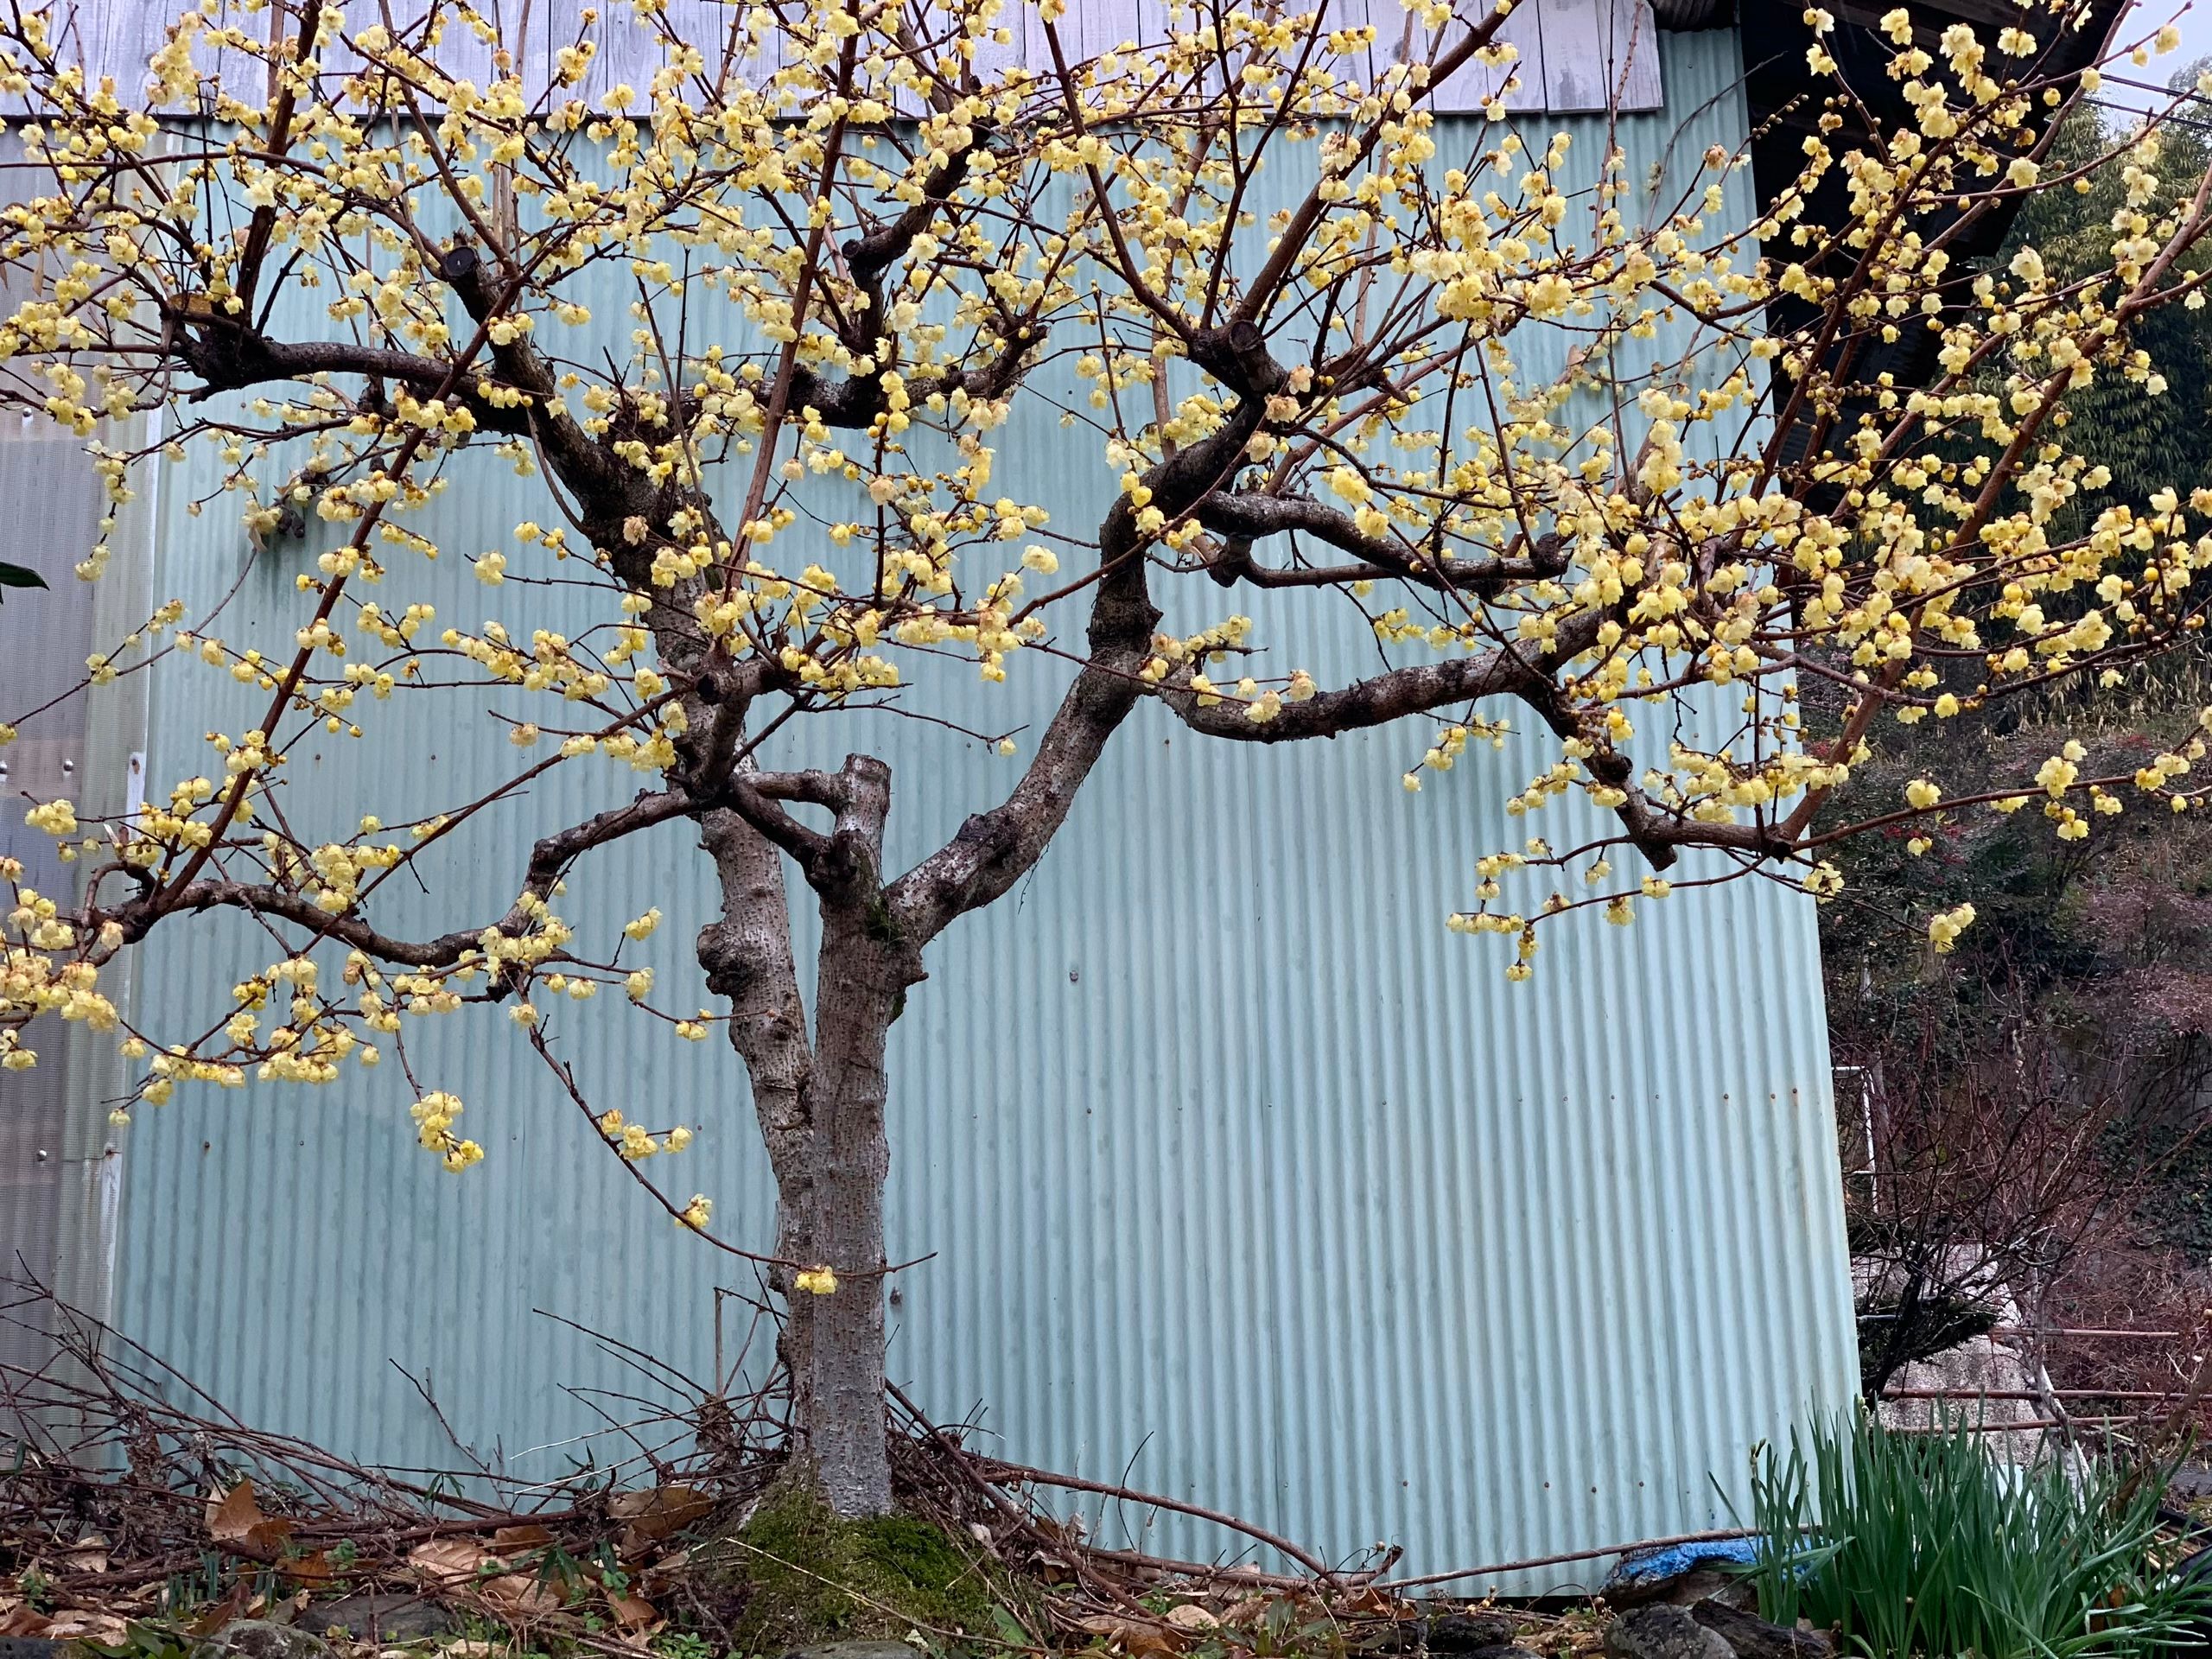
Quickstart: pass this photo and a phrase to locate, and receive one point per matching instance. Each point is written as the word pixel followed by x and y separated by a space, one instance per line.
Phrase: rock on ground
pixel 1458 1633
pixel 257 1638
pixel 390 1619
pixel 1663 1630
pixel 1751 1637
pixel 1711 1630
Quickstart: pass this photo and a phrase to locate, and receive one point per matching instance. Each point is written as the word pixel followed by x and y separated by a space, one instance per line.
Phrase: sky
pixel 2143 17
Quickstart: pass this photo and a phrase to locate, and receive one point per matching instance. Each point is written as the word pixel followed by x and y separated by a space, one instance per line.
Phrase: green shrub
pixel 1922 1544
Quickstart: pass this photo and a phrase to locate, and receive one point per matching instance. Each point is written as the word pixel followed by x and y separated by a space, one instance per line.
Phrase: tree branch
pixel 807 847
pixel 1245 518
pixel 229 357
pixel 995 849
pixel 1417 688
pixel 583 464
pixel 825 788
pixel 549 858
pixel 853 402
pixel 1514 671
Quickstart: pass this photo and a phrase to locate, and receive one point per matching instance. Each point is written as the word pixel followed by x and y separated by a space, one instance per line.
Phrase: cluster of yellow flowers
pixel 433 1115
pixel 37 971
pixel 634 1141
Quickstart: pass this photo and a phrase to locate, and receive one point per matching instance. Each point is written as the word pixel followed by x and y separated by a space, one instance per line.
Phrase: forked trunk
pixel 821 1111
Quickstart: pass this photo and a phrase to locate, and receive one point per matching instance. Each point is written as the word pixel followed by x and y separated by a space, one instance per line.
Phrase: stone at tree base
pixel 853 1650
pixel 1663 1631
pixel 382 1617
pixel 1751 1637
pixel 1468 1633
pixel 259 1638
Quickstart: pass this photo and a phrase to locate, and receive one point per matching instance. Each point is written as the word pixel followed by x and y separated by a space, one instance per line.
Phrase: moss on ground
pixel 799 1573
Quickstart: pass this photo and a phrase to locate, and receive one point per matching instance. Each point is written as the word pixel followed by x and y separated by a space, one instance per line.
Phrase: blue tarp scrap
pixel 1672 1560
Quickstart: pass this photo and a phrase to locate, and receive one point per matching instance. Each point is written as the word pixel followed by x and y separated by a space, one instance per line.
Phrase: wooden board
pixel 1598 54
pixel 1474 85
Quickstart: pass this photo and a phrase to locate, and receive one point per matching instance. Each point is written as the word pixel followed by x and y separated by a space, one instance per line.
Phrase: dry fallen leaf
pixel 217 1614
pixel 653 1515
pixel 1188 1616
pixel 515 1594
pixel 1133 1636
pixel 235 1520
pixel 104 1628
pixel 449 1563
pixel 656 1576
pixel 660 1512
pixel 1247 1611
pixel 18 1618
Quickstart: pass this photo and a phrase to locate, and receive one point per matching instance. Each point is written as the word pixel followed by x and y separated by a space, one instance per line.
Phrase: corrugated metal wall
pixel 1244 1179
pixel 55 500
pixel 1575 54
pixel 60 1180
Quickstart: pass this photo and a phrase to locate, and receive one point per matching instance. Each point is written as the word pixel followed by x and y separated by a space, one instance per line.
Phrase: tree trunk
pixel 821 1112
pixel 841 1419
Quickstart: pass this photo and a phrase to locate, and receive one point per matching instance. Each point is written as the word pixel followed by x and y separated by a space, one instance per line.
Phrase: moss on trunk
pixel 796 1572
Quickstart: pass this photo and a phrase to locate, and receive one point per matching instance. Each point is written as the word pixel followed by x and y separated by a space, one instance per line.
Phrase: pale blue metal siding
pixel 1243 1177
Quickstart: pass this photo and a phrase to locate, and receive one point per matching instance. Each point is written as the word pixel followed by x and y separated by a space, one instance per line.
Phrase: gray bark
pixel 821 1111
pixel 820 1104
pixel 844 1428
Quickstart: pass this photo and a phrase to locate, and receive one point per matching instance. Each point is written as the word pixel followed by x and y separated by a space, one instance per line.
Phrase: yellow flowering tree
pixel 1569 443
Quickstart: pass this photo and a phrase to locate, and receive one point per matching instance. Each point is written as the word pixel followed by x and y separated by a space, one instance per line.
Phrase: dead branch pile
pixel 129 1495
